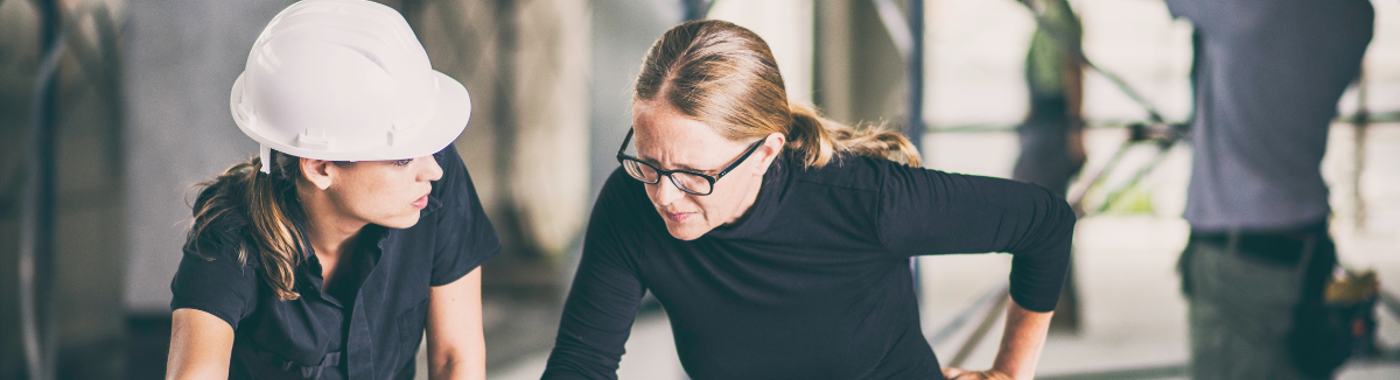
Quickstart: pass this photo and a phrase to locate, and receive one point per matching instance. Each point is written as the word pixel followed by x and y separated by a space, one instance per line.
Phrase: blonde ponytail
pixel 264 201
pixel 817 141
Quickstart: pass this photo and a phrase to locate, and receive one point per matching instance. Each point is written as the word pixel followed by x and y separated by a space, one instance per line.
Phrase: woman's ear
pixel 772 147
pixel 318 172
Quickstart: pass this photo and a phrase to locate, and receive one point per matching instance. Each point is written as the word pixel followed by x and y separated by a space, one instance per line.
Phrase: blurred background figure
pixel 111 109
pixel 1267 80
pixel 1052 141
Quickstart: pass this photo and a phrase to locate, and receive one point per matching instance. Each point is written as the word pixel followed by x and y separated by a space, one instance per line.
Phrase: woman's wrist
pixel 1021 342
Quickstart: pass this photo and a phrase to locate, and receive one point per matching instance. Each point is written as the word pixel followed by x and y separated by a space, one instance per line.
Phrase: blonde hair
pixel 724 76
pixel 264 201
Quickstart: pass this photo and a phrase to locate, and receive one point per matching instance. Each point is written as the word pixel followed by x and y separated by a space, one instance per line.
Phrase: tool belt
pixel 1335 316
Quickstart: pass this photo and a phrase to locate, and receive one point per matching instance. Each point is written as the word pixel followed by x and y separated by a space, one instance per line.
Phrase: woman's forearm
pixel 1022 341
pixel 462 365
pixel 200 346
pixel 456 346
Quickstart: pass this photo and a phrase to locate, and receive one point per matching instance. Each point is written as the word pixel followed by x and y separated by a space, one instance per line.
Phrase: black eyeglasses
pixel 687 181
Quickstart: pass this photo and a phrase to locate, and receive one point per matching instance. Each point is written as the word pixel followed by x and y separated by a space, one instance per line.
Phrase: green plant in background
pixel 1134 200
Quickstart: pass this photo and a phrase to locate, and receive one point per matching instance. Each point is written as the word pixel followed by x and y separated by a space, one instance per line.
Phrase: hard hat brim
pixel 449 119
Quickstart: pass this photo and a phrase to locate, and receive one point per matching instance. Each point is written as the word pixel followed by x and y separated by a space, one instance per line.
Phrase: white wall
pixel 182 57
pixel 786 25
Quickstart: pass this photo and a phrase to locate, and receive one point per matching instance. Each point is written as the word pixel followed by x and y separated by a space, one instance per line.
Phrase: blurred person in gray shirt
pixel 1267 77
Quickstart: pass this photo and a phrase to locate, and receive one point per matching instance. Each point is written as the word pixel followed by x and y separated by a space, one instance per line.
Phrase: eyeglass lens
pixel 686 182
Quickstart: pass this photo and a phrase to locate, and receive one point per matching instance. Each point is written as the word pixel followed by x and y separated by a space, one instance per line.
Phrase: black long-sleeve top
pixel 814 282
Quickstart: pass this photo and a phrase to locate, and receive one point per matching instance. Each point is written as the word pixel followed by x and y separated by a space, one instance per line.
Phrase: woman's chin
pixel 685 231
pixel 403 221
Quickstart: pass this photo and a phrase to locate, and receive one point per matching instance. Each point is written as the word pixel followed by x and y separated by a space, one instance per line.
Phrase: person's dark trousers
pixel 1244 291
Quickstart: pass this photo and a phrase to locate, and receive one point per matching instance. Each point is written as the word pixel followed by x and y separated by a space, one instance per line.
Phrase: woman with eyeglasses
pixel 778 241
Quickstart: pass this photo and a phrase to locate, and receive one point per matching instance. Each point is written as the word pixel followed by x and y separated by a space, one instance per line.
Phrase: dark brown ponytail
pixel 263 201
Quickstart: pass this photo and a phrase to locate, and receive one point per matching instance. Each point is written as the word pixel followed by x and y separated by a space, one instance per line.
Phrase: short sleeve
pixel 211 279
pixel 465 237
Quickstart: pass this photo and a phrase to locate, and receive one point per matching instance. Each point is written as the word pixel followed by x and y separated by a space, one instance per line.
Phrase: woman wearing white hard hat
pixel 355 229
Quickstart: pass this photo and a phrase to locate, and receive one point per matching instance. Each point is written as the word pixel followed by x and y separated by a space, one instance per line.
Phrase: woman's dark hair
pixel 724 76
pixel 264 201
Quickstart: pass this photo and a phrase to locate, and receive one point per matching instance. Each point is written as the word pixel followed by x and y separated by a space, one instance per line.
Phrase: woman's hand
pixel 1020 347
pixel 961 374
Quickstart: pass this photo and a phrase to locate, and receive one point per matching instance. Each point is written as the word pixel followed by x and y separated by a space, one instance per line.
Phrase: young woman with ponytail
pixel 778 241
pixel 355 230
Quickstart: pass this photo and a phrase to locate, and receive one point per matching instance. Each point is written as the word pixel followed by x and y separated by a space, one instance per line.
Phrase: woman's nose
pixel 432 170
pixel 667 192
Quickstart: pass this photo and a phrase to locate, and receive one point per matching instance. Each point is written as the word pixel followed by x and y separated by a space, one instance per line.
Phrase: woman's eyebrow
pixel 684 167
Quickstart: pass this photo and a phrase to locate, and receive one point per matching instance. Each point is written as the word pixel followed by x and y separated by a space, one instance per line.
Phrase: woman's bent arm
pixel 200 346
pixel 456 344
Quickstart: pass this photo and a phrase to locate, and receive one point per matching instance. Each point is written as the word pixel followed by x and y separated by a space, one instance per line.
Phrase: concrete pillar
pixel 787 27
pixel 526 66
pixel 623 30
pixel 19 53
pixel 859 73
pixel 181 59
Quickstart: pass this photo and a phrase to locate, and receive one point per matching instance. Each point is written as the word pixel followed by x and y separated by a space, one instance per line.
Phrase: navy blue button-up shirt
pixel 372 332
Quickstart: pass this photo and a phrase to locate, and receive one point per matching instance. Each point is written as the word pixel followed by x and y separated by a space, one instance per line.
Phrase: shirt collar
pixel 765 207
pixel 433 204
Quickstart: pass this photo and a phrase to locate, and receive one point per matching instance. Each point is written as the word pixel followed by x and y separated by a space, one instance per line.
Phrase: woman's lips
pixel 421 203
pixel 677 216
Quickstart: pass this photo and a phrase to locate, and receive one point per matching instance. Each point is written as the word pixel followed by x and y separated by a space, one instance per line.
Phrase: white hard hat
pixel 345 80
